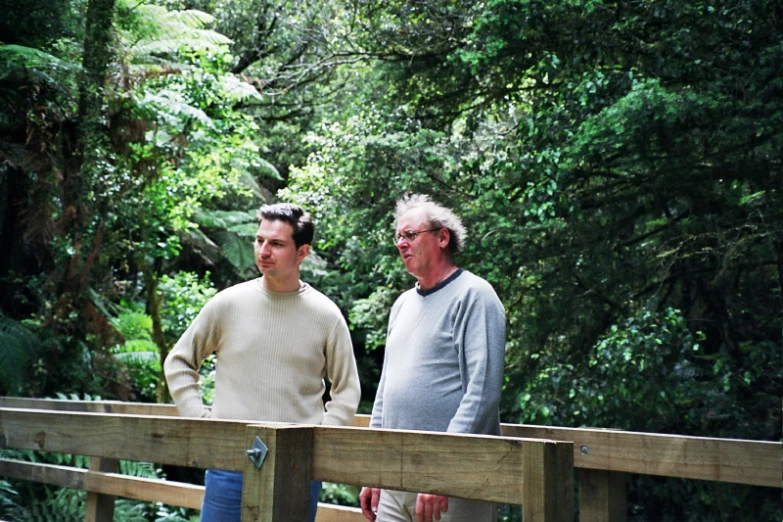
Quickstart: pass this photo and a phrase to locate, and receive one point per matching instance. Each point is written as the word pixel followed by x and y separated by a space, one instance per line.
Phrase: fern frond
pixel 133 325
pixel 18 346
pixel 189 18
pixel 238 90
pixel 28 57
pixel 223 218
pixel 140 469
pixel 237 250
pixel 173 105
pixel 158 35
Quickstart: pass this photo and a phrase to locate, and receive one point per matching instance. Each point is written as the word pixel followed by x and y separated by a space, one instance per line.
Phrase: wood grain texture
pixel 100 507
pixel 199 443
pixel 279 489
pixel 548 495
pixel 468 466
pixel 601 496
pixel 756 463
pixel 150 490
pixel 130 408
pixel 725 460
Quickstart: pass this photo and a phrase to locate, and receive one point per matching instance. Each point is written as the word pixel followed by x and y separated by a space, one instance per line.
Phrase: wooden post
pixel 601 496
pixel 548 483
pixel 280 489
pixel 100 507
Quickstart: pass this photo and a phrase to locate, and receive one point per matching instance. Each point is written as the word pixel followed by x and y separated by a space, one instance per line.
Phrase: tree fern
pixel 13 57
pixel 153 35
pixel 233 231
pixel 18 346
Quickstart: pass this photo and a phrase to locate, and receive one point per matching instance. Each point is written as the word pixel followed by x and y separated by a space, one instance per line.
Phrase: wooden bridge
pixel 529 465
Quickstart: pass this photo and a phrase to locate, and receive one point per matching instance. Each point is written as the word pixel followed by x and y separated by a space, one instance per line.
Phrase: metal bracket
pixel 257 452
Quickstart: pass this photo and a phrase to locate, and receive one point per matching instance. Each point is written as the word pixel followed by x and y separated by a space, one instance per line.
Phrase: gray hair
pixel 438 217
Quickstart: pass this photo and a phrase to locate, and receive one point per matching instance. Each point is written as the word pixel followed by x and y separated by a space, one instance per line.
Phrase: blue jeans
pixel 223 496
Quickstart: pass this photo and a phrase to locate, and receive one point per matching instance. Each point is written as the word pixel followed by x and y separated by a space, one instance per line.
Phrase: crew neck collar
pixel 304 287
pixel 440 285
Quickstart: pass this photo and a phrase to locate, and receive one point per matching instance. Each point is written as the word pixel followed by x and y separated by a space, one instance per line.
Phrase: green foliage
pixel 155 35
pixel 617 167
pixel 340 494
pixel 138 353
pixel 641 376
pixel 14 58
pixel 18 347
pixel 8 499
pixel 233 232
pixel 185 293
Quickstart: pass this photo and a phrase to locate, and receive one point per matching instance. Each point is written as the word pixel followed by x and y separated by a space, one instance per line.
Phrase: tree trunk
pixel 82 175
pixel 153 308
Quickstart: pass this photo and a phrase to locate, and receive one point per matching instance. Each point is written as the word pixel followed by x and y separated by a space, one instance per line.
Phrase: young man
pixel 275 339
pixel 443 365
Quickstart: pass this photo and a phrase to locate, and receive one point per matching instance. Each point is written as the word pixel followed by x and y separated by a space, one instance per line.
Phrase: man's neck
pixel 437 275
pixel 281 286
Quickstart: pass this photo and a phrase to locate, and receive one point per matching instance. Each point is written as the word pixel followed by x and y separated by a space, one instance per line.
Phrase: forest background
pixel 617 165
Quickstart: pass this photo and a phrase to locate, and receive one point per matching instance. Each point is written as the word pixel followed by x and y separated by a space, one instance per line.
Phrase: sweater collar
pixel 440 285
pixel 302 289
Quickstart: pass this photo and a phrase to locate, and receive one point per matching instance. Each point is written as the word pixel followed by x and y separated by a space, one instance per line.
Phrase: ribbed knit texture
pixel 443 365
pixel 273 352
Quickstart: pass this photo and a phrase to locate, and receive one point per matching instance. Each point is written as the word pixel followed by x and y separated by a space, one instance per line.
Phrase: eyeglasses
pixel 411 235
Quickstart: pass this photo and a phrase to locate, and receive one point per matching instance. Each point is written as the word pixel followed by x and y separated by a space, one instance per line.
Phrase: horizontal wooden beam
pixel 147 490
pixel 725 460
pixel 469 466
pixel 332 513
pixel 128 408
pixel 756 463
pixel 177 441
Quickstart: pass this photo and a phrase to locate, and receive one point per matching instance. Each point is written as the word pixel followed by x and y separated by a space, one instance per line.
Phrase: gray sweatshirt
pixel 443 366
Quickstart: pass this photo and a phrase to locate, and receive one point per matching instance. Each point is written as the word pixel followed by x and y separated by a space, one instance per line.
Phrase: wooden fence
pixel 537 474
pixel 526 466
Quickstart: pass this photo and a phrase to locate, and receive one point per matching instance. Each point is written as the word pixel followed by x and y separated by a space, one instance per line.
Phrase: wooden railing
pixel 525 466
pixel 538 474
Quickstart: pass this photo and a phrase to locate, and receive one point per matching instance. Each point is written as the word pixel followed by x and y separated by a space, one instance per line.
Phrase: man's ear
pixel 302 252
pixel 444 236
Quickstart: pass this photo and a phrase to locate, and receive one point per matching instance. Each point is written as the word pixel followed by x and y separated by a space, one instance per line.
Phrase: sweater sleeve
pixel 480 335
pixel 184 360
pixel 376 419
pixel 345 392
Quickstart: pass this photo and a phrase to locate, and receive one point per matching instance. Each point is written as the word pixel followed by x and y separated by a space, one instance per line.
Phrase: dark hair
pixel 295 216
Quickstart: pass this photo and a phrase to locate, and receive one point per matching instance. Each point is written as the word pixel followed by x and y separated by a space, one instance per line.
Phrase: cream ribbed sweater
pixel 273 352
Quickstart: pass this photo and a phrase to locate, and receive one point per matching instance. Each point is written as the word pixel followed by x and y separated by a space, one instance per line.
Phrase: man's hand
pixel 368 501
pixel 429 507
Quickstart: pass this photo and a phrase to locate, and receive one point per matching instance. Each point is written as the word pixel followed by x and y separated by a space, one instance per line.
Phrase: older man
pixel 443 365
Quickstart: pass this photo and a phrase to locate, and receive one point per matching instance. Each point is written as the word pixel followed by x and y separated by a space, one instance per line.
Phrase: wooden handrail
pixel 537 474
pixel 756 463
pixel 602 456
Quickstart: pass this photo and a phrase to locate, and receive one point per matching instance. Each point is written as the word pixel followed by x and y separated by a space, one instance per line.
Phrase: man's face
pixel 276 254
pixel 420 253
